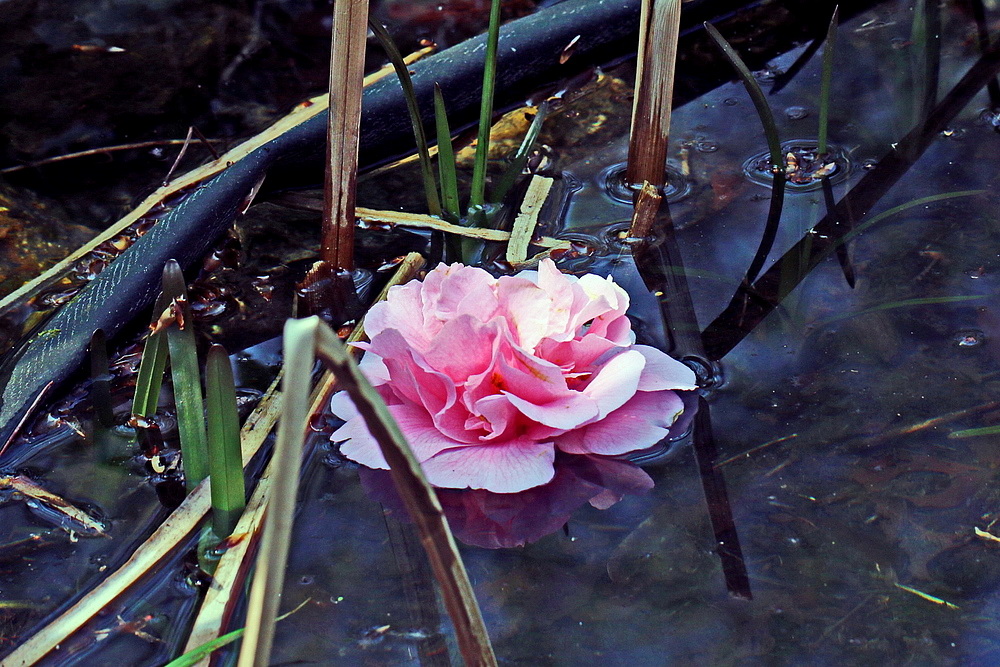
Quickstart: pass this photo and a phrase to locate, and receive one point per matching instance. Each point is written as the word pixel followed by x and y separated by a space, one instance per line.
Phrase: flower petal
pixel 424 438
pixel 640 423
pixel 506 467
pixel 616 382
pixel 663 371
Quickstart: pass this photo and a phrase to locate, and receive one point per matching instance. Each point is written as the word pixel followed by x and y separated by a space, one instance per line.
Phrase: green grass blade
pixel 403 72
pixel 851 235
pixel 417 494
pixel 756 94
pixel 824 95
pixel 184 371
pixel 520 158
pixel 973 432
pixel 478 196
pixel 447 168
pixel 196 655
pixel 153 364
pixel 265 593
pixel 225 461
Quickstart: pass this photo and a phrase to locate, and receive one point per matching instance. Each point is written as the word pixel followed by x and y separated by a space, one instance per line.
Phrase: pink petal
pixel 564 413
pixel 342 406
pixel 410 376
pixel 462 348
pixel 640 423
pixel 506 467
pixel 422 435
pixel 663 372
pixel 616 382
pixel 527 309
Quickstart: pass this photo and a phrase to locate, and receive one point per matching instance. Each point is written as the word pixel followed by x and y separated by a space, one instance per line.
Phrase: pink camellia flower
pixel 489 377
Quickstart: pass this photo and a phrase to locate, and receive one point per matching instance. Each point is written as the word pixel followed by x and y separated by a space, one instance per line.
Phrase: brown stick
pixel 647 152
pixel 644 215
pixel 347 63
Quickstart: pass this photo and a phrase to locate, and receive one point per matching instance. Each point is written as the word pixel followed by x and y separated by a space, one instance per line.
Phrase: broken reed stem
pixel 646 207
pixel 347 65
pixel 647 152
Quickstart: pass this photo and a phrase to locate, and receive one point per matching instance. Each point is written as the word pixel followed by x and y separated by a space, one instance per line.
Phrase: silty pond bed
pixel 866 526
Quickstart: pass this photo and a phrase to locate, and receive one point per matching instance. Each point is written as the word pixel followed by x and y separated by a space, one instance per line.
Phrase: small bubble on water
pixel 990 117
pixel 869 164
pixel 706 146
pixel 730 101
pixel 969 338
pixel 796 113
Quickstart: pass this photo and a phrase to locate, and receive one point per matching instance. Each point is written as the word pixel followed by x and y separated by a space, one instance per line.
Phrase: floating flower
pixel 489 377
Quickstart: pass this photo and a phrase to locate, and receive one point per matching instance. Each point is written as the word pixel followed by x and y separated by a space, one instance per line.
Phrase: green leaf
pixel 824 95
pixel 447 167
pixel 224 455
pixel 478 196
pixel 186 377
pixel 403 72
pixel 152 365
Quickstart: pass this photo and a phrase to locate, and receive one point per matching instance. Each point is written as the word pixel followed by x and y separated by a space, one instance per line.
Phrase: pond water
pixel 866 527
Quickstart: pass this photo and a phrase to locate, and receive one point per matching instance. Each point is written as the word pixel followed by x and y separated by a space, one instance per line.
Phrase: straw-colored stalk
pixel 347 69
pixel 658 35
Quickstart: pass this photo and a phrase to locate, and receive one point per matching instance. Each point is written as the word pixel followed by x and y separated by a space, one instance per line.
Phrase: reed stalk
pixel 347 68
pixel 659 28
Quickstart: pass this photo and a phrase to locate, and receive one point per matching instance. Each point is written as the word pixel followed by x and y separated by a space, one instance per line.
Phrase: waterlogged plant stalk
pixel 824 95
pixel 477 199
pixel 447 167
pixel 659 26
pixel 403 73
pixel 186 376
pixel 756 95
pixel 225 459
pixel 774 147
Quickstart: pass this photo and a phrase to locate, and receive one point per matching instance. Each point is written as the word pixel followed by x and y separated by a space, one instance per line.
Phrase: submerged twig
pixel 138 145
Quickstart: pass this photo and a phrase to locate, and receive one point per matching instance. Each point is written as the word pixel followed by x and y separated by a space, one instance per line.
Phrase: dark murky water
pixel 857 511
